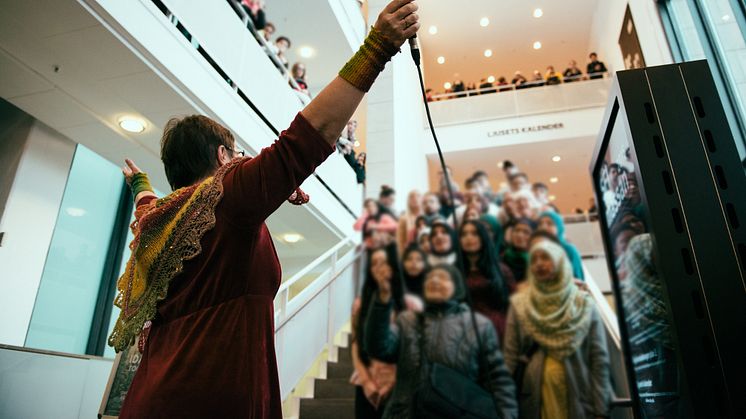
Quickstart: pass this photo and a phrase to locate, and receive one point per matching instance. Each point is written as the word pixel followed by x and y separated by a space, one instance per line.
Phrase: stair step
pixel 344 355
pixel 338 370
pixel 334 388
pixel 327 408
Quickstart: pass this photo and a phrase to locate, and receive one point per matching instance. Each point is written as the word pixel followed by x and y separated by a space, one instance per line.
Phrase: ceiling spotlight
pixel 306 52
pixel 484 22
pixel 292 238
pixel 491 79
pixel 488 53
pixel 132 125
pixel 76 212
pixel 433 30
pixel 556 159
pixel 500 164
pixel 553 180
pixel 537 45
pixel 538 13
pixel 726 18
pixel 357 143
pixel 552 198
pixel 447 85
pixel 441 59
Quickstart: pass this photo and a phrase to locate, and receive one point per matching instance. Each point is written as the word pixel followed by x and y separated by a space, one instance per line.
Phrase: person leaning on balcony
pixel 557 327
pixel 596 69
pixel 572 73
pixel 204 272
pixel 553 77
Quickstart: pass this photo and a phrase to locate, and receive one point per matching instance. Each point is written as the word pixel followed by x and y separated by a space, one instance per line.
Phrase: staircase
pixel 334 397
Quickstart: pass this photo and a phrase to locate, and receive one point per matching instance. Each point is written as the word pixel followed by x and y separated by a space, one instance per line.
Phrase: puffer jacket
pixel 449 339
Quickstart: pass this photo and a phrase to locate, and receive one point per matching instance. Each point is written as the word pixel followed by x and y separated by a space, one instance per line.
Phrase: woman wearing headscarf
pixel 372 378
pixel 448 338
pixel 442 244
pixel 551 222
pixel 490 288
pixel 558 328
pixel 516 253
pixel 414 266
pixel 406 233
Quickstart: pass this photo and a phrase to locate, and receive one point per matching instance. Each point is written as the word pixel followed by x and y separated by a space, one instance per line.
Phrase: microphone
pixel 414 46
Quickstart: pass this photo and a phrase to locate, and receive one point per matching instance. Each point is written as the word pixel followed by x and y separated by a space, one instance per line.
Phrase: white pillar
pixel 395 126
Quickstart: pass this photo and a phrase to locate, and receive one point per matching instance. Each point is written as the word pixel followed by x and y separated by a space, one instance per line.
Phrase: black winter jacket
pixel 449 339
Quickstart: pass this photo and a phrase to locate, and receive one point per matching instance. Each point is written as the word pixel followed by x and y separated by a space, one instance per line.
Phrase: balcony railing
pixel 470 106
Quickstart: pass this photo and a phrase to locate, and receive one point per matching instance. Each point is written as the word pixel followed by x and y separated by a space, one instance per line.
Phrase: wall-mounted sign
pixel 525 130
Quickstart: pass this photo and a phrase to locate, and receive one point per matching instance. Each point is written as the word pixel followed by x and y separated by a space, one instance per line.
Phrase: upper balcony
pixel 502 102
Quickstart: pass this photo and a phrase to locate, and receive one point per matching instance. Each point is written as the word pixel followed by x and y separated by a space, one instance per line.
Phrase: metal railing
pixel 287 305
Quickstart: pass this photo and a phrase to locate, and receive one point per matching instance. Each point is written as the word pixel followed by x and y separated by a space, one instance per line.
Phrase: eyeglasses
pixel 237 152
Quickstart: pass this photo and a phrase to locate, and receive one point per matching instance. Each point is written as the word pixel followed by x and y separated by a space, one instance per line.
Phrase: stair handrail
pixel 311 266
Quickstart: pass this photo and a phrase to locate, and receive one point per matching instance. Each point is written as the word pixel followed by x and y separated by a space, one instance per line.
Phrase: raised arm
pixel 138 183
pixel 330 111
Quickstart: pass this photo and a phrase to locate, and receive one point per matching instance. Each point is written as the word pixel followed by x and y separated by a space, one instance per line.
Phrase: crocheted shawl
pixel 167 232
pixel 555 313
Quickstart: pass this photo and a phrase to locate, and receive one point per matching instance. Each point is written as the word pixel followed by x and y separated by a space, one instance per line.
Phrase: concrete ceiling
pixel 574 186
pixel 61 66
pixel 564 31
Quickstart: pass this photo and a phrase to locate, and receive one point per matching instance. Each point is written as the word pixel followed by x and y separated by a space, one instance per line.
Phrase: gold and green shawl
pixel 167 232
pixel 555 313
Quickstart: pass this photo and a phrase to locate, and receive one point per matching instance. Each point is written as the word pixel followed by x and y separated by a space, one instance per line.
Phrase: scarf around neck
pixel 167 233
pixel 555 313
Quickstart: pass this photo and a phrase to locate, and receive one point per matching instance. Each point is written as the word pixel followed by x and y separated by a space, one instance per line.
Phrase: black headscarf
pixel 487 264
pixel 415 283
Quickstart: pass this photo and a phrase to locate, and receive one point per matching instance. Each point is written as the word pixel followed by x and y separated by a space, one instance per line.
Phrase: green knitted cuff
pixel 140 183
pixel 369 61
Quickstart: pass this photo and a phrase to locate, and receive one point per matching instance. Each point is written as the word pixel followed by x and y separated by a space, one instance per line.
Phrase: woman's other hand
pixel 129 169
pixel 398 21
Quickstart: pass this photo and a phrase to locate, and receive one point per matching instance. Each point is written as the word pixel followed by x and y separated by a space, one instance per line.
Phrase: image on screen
pixel 645 311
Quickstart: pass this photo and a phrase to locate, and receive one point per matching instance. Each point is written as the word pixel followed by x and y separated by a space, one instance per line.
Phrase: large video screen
pixel 640 290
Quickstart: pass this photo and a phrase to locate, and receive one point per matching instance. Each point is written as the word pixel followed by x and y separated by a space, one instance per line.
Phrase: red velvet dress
pixel 210 352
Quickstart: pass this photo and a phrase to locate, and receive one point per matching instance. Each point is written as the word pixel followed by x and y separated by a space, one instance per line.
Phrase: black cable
pixel 457 245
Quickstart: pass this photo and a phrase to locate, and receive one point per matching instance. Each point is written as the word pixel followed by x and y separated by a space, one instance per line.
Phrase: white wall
pixel 576 124
pixel 607 25
pixel 28 222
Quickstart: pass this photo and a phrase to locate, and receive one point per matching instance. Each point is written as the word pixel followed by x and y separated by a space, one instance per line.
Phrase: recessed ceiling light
pixel 484 22
pixel 553 180
pixel 500 164
pixel 488 53
pixel 447 85
pixel 538 13
pixel 76 212
pixel 292 238
pixel 132 125
pixel 537 45
pixel 306 52
pixel 552 198
pixel 556 158
pixel 357 143
pixel 726 18
pixel 491 79
pixel 433 30
pixel 441 59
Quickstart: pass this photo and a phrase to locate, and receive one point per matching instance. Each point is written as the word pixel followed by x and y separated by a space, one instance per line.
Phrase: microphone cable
pixel 415 49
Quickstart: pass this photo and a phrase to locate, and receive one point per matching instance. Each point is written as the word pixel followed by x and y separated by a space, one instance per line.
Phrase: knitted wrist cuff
pixel 140 183
pixel 369 61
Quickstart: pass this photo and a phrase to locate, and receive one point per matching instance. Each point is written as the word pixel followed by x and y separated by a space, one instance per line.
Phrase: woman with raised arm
pixel 199 287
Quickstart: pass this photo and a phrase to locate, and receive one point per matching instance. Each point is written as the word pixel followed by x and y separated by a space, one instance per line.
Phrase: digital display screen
pixel 641 294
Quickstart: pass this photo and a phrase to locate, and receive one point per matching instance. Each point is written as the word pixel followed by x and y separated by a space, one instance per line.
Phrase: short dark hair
pixel 546 235
pixel 517 175
pixel 189 149
pixel 507 164
pixel 283 38
pixel 479 173
pixel 539 185
pixel 470 182
pixel 592 54
pixel 386 191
